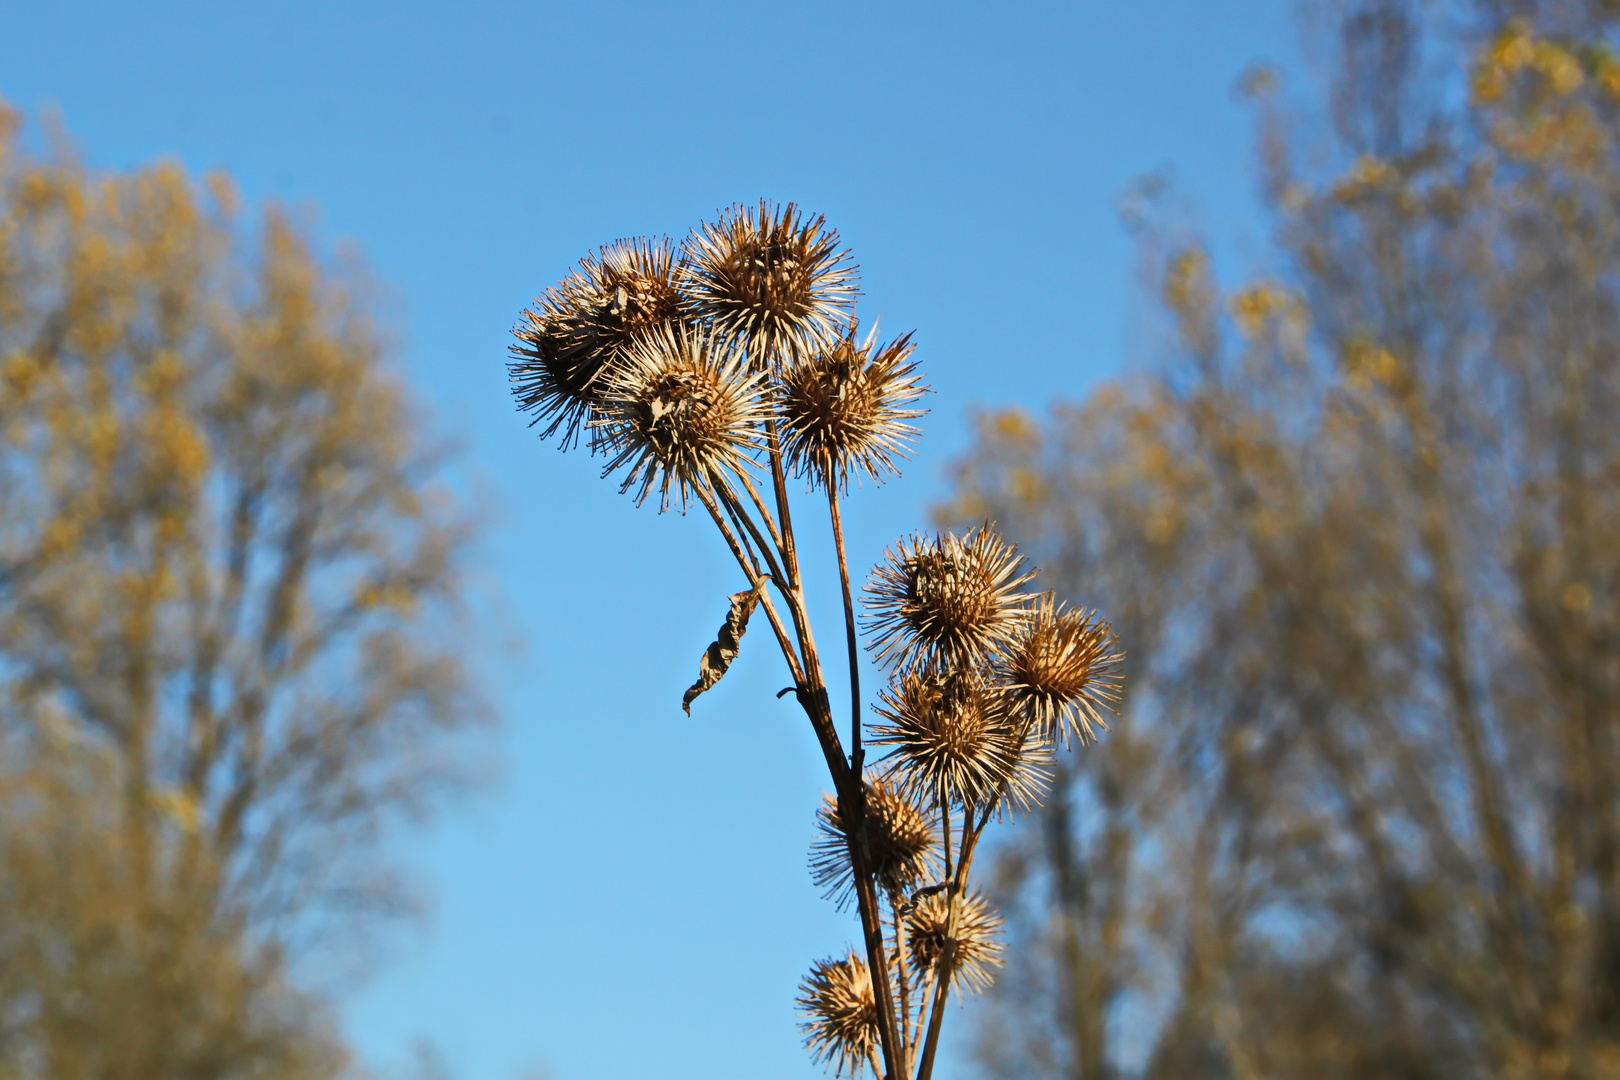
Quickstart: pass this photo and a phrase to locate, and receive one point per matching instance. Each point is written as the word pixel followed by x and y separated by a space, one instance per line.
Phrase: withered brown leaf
pixel 723 649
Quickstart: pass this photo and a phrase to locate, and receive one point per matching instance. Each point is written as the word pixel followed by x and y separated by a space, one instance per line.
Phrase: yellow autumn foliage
pixel 1357 529
pixel 205 457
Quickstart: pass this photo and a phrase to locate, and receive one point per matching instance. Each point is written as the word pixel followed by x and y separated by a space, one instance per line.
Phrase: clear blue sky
pixel 630 900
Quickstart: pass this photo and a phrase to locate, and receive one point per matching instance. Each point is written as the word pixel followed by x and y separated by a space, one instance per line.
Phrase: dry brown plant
pixel 755 371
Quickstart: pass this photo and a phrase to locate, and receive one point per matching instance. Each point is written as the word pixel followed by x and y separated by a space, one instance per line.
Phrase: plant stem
pixel 872 928
pixel 947 957
pixel 849 784
pixel 757 581
pixel 790 554
pixel 904 1019
pixel 855 759
pixel 764 511
pixel 739 514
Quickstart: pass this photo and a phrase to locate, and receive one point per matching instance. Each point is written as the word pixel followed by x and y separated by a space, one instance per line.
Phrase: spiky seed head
pixel 954 739
pixel 772 279
pixel 978 950
pixel 1064 671
pixel 679 409
pixel 840 1010
pixel 845 410
pixel 549 377
pixel 900 839
pixel 578 330
pixel 947 600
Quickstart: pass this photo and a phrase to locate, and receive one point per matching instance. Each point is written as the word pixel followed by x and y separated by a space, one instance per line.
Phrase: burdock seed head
pixel 841 1018
pixel 580 329
pixel 900 838
pixel 680 408
pixel 1064 671
pixel 978 950
pixel 946 601
pixel 845 410
pixel 772 280
pixel 955 741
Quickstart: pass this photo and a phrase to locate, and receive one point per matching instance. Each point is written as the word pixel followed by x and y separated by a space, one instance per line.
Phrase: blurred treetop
pixel 228 569
pixel 1360 533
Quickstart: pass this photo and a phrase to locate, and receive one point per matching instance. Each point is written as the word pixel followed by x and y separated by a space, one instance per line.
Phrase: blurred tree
pixel 1361 538
pixel 226 563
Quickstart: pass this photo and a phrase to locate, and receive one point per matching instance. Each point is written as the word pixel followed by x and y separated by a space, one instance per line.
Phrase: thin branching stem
pixel 849 783
pixel 745 535
pixel 903 1020
pixel 745 521
pixel 757 580
pixel 947 957
pixel 831 483
pixel 851 793
pixel 764 511
pixel 923 989
pixel 784 515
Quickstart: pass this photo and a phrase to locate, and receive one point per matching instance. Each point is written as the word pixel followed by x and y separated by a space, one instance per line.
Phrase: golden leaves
pixel 1187 279
pixel 1368 174
pixel 1012 425
pixel 1368 364
pixel 1265 308
pixel 202 457
pixel 1516 51
pixel 1532 90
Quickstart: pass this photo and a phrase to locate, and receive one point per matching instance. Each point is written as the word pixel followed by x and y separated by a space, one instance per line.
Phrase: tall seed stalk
pixel 698 369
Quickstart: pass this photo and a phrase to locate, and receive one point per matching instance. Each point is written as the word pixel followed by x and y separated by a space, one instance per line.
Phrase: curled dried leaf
pixel 722 650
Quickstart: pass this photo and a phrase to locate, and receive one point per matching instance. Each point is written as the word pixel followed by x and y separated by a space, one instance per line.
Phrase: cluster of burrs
pixel 987 681
pixel 675 360
pixel 715 369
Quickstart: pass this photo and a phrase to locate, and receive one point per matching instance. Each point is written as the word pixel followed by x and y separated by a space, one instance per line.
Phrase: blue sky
pixel 629 898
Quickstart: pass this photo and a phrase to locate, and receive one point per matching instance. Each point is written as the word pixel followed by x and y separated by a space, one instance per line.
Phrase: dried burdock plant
pixel 955 739
pixel 970 952
pixel 1064 671
pixel 841 1014
pixel 578 330
pixel 680 408
pixel 901 840
pixel 713 374
pixel 773 279
pixel 947 601
pixel 847 411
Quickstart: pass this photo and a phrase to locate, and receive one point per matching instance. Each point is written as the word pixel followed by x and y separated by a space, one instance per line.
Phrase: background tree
pixel 1359 537
pixel 226 561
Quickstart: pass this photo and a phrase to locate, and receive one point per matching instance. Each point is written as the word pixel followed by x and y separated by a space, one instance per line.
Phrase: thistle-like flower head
pixel 578 330
pixel 955 740
pixel 978 950
pixel 771 279
pixel 900 839
pixel 841 1017
pixel 845 410
pixel 1063 671
pixel 679 409
pixel 946 601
